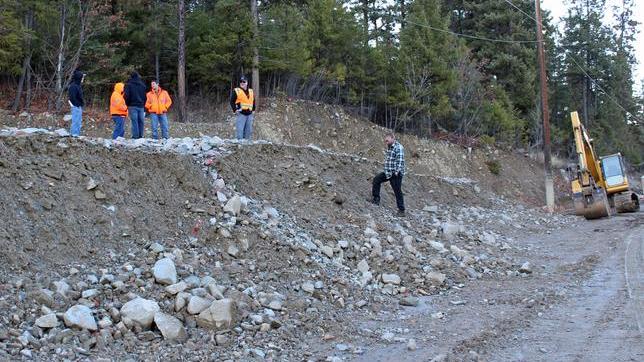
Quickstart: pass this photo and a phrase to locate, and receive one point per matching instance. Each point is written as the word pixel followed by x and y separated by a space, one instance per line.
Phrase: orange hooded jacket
pixel 158 102
pixel 117 102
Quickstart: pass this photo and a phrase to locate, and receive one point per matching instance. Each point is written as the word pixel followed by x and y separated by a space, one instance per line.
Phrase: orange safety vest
pixel 158 102
pixel 117 102
pixel 245 101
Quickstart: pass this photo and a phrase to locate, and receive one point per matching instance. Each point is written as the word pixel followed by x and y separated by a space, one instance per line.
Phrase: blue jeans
pixel 156 119
pixel 137 116
pixel 77 120
pixel 119 131
pixel 244 126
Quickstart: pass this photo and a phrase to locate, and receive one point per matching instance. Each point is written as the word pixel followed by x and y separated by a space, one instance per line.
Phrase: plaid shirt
pixel 395 160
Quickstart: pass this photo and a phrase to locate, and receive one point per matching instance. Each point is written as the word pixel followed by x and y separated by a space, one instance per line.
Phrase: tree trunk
pixel 29 19
pixel 61 55
pixel 181 71
pixel 255 85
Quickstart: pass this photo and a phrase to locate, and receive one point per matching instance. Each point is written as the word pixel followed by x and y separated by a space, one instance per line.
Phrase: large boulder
pixel 80 316
pixel 141 311
pixel 220 315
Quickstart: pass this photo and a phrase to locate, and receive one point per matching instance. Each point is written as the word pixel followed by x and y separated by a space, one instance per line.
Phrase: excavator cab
pixel 613 170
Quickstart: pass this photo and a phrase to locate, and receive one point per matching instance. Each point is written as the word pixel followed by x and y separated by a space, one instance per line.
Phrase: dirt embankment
pixel 50 218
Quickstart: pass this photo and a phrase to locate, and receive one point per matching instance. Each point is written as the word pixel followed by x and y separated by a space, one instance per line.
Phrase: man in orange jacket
pixel 157 104
pixel 118 110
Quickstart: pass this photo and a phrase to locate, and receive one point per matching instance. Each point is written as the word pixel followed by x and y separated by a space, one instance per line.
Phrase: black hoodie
pixel 135 91
pixel 75 91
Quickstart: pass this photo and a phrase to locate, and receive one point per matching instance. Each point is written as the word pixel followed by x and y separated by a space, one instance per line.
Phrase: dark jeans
pixel 137 116
pixel 396 185
pixel 119 131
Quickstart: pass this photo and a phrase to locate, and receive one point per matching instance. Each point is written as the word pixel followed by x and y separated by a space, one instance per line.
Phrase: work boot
pixel 400 213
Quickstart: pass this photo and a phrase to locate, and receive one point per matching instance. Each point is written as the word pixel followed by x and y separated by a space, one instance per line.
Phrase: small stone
pixel 391 279
pixel 165 271
pixel 327 250
pixel 220 315
pixel 387 336
pixel 308 287
pixel 47 321
pixel 89 293
pixel 438 315
pixel 176 288
pixel 99 195
pixel 80 316
pixel 319 284
pixel 435 278
pixel 197 304
pixel 409 301
pixel 105 322
pixel 171 328
pixel 233 205
pixel 363 266
pixel 439 358
pixel 343 244
pixel 26 353
pixel 275 305
pixel 157 248
pixel 265 327
pixel 233 250
pixel 411 344
pixel 91 184
pixel 525 268
pixel 341 347
pixel 141 311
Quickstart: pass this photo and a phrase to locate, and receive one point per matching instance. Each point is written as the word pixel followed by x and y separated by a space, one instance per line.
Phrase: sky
pixel 558 8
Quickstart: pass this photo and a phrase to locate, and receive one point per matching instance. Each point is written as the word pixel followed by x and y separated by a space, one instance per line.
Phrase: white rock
pixel 221 197
pixel 80 316
pixel 411 344
pixel 363 266
pixel 91 184
pixel 176 288
pixel 62 288
pixel 275 305
pixel 343 244
pixel 220 315
pixel 233 205
pixel 180 301
pixel 435 278
pixel 198 304
pixel 89 293
pixel 141 311
pixel 67 117
pixel 47 321
pixel 171 328
pixel 391 279
pixel 157 248
pixel 437 246
pixel 327 250
pixel 165 271
pixel 525 268
pixel 308 287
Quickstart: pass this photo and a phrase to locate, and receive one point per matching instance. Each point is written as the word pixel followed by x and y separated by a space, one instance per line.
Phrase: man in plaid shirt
pixel 393 172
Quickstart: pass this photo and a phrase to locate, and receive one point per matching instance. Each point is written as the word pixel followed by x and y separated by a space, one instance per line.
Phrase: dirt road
pixel 582 302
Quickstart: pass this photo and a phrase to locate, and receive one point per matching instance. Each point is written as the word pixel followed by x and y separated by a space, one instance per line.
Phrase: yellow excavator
pixel 599 185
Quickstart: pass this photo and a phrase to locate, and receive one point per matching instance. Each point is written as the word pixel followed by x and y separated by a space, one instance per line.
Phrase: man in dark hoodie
pixel 75 93
pixel 135 100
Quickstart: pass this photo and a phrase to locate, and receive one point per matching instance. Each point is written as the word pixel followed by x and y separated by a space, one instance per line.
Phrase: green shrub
pixel 494 166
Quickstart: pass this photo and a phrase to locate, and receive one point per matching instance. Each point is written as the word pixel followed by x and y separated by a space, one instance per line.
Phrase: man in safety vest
pixel 157 104
pixel 118 110
pixel 242 102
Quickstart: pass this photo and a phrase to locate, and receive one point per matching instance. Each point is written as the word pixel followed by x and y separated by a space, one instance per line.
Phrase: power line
pixel 582 69
pixel 470 36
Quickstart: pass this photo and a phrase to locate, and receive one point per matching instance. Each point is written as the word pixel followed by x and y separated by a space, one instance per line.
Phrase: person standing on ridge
pixel 157 104
pixel 135 101
pixel 118 110
pixel 75 93
pixel 242 101
pixel 393 172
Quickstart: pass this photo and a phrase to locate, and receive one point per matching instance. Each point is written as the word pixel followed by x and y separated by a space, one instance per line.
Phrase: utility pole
pixel 550 193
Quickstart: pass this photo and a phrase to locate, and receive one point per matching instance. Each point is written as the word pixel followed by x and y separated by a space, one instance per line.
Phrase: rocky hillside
pixel 203 248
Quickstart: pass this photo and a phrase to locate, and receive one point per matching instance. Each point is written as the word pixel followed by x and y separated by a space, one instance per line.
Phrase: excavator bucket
pixel 593 206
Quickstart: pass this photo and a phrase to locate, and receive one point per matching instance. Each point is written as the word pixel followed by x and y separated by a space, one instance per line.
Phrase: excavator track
pixel 627 202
